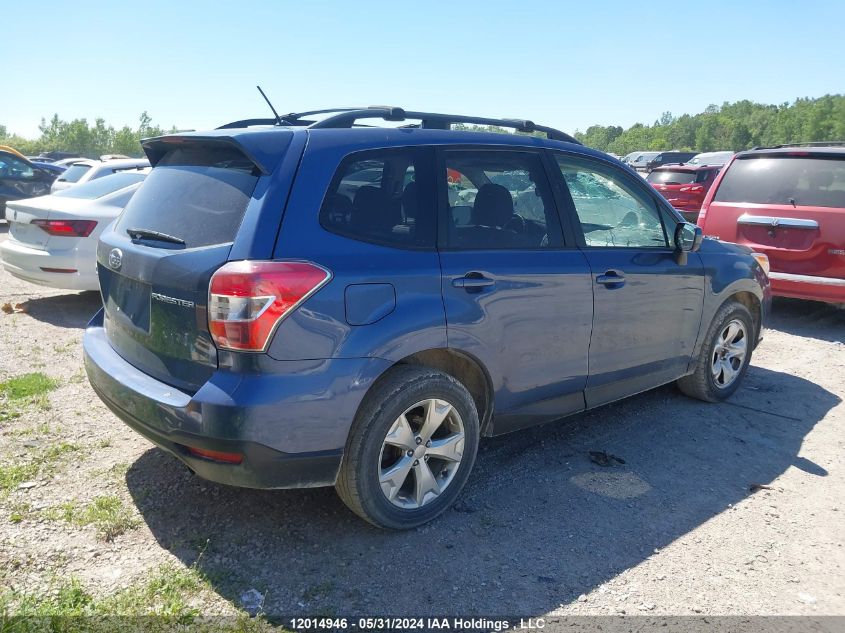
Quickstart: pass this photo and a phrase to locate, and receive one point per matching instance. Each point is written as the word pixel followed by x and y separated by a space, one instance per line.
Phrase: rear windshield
pixel 672 177
pixel 197 194
pixel 102 186
pixel 813 182
pixel 74 172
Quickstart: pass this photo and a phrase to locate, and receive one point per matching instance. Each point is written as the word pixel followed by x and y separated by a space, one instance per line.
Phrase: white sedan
pixel 53 239
pixel 83 170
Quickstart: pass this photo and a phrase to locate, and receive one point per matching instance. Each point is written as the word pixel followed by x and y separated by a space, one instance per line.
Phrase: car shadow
pixel 4 228
pixel 73 310
pixel 809 319
pixel 537 525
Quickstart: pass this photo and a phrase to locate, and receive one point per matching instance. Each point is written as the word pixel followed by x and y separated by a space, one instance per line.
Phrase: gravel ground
pixel 539 529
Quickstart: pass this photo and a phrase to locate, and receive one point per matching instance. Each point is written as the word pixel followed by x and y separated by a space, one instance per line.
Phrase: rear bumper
pixel 827 289
pixel 26 262
pixel 290 425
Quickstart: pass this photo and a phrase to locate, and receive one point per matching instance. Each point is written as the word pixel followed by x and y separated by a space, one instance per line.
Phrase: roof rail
pixel 347 117
pixel 293 119
pixel 807 144
pixel 433 120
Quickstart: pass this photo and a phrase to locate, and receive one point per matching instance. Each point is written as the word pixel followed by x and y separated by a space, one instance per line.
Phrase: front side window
pixel 499 199
pixel 610 211
pixel 383 196
pixel 11 167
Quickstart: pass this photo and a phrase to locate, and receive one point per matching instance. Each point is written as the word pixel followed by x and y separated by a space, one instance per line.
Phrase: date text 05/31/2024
pixel 415 624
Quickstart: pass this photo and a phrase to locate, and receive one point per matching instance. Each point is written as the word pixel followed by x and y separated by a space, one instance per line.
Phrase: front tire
pixel 410 450
pixel 725 357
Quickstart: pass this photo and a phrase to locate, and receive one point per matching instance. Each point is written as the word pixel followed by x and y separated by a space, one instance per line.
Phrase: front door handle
pixel 473 281
pixel 613 278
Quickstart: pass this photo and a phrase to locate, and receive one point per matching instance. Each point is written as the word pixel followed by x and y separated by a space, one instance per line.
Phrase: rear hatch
pixel 155 262
pixel 679 186
pixel 788 205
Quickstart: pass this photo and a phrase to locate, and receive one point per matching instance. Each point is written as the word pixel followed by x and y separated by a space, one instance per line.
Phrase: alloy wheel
pixel 729 353
pixel 421 453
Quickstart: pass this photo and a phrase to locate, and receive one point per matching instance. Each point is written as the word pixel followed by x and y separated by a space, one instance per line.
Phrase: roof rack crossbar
pixel 432 120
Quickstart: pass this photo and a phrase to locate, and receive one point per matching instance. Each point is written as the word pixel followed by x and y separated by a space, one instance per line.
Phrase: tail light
pixel 248 299
pixel 67 228
pixel 763 260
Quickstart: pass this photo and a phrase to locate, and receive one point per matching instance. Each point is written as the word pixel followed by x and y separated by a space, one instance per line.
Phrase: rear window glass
pixel 74 172
pixel 672 177
pixel 197 194
pixel 814 182
pixel 384 196
pixel 102 186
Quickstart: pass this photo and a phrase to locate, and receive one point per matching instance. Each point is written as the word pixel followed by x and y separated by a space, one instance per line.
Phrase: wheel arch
pixel 746 292
pixel 464 368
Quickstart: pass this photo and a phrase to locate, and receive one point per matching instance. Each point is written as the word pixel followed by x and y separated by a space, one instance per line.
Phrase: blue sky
pixel 563 64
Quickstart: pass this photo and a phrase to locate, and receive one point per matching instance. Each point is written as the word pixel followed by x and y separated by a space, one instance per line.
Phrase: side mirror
pixel 688 238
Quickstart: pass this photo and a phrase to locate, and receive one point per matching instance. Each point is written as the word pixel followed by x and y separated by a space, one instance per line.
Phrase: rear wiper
pixel 142 234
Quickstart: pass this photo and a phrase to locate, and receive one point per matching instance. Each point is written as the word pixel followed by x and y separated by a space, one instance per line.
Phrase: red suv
pixel 789 203
pixel 684 186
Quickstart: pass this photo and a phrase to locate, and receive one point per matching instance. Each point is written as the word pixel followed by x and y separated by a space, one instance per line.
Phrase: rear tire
pixel 410 449
pixel 725 356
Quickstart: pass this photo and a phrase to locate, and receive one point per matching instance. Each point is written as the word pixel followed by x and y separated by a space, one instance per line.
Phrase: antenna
pixel 278 118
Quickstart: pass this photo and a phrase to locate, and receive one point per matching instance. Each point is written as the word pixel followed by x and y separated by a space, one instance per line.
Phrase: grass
pixel 169 592
pixel 13 475
pixel 27 386
pixel 107 514
pixel 32 388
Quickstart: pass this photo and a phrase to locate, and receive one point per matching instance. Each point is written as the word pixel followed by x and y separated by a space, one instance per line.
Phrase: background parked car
pixel 711 158
pixel 641 160
pixel 84 170
pixel 53 239
pixel 789 203
pixel 21 178
pixel 55 156
pixel 668 158
pixel 684 186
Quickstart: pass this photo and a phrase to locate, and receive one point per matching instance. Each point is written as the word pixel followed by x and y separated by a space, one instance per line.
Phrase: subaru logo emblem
pixel 116 258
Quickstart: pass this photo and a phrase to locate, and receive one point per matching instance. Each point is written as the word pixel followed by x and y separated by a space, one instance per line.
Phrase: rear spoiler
pixel 264 149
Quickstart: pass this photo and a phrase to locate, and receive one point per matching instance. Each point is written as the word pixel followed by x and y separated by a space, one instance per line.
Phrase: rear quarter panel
pixel 407 320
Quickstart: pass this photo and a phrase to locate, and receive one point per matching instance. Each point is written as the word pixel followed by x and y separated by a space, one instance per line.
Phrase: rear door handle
pixel 472 281
pixel 611 278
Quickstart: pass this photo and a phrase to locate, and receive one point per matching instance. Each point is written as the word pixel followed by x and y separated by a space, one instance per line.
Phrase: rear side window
pixel 74 172
pixel 499 199
pixel 383 196
pixel 198 194
pixel 813 182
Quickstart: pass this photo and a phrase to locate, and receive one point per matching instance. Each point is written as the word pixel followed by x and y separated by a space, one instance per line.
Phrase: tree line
pixel 80 137
pixel 733 126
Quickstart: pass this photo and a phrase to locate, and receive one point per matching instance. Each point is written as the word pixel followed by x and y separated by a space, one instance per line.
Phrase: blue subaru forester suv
pixel 313 302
